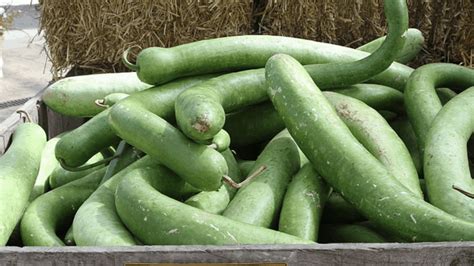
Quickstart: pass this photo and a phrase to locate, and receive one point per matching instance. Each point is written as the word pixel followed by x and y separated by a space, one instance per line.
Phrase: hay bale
pixel 448 26
pixel 93 34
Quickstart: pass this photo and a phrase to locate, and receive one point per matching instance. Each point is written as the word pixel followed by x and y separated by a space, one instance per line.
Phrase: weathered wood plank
pixel 58 123
pixel 446 253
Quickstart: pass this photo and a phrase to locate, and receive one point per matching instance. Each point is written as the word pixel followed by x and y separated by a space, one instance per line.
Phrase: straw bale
pixel 93 34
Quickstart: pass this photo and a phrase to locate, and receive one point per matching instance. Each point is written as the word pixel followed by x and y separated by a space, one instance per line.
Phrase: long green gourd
pixel 76 147
pixel 159 220
pixel 19 167
pixel 303 204
pixel 446 163
pixel 421 101
pixel 75 96
pixel 53 211
pixel 347 166
pixel 47 166
pixel 200 111
pixel 157 65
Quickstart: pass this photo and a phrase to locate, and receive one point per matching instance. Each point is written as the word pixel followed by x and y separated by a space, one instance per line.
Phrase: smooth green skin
pixel 97 223
pixel 69 237
pixel 217 201
pixel 445 160
pixel 245 166
pixel 199 165
pixel 303 204
pixel 246 128
pixel 412 47
pixel 76 147
pixel 156 219
pixel 113 98
pixel 338 210
pixel 376 135
pixel 445 94
pixel 61 176
pixel 376 96
pixel 421 101
pixel 347 166
pixel 157 65
pixel 200 111
pixel 53 211
pixel 349 233
pixel 19 166
pixel 47 166
pixel 75 96
pixel 221 140
pixel 127 155
pixel 405 131
pixel 259 201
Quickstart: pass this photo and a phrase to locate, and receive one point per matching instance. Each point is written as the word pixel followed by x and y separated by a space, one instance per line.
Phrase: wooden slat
pixel 58 123
pixel 446 253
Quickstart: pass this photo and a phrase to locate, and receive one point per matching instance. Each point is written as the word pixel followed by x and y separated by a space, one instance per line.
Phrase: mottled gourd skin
pixel 347 166
pixel 446 160
pixel 421 101
pixel 159 220
pixel 376 135
pixel 76 147
pixel 53 211
pixel 75 96
pixel 303 204
pixel 19 167
pixel 200 111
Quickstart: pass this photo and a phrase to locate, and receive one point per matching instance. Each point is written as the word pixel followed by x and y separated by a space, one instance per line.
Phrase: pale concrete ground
pixel 26 69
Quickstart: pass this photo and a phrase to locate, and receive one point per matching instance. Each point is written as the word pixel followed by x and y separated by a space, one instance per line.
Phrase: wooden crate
pixel 443 253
